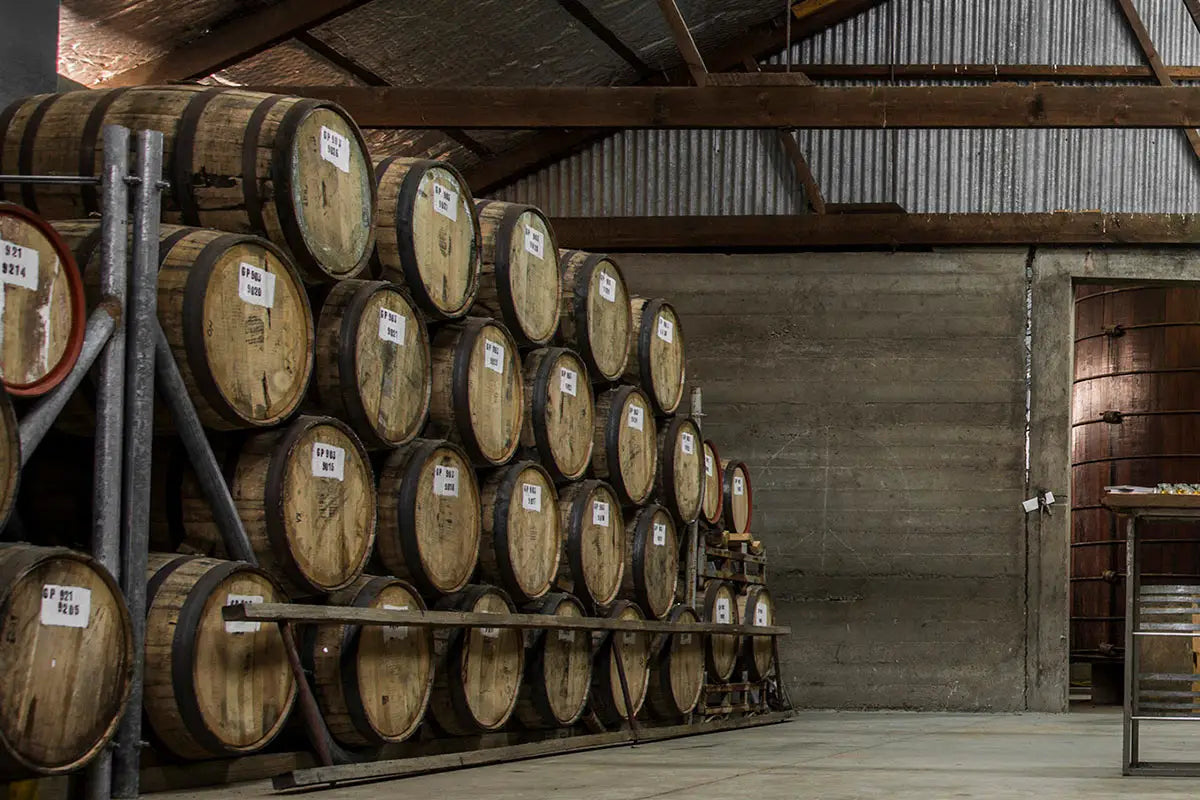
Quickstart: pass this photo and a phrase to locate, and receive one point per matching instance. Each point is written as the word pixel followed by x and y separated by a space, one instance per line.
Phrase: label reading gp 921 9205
pixel 66 606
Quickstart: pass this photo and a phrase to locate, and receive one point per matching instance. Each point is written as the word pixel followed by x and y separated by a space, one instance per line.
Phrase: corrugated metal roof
pixel 926 170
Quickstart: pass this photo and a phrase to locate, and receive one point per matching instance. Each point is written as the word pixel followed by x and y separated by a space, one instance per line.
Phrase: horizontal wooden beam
pixel 984 72
pixel 1000 106
pixel 351 615
pixel 803 231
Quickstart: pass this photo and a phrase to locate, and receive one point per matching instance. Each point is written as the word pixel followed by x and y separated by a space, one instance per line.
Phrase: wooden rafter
pixel 791 148
pixel 233 41
pixel 884 230
pixel 684 42
pixel 1152 58
pixel 984 72
pixel 585 17
pixel 1193 7
pixel 818 107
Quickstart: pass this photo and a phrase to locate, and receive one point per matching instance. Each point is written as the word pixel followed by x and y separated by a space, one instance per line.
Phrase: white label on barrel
pixel 391 326
pixel 328 461
pixel 567 378
pixel 393 632
pixel 636 413
pixel 531 497
pixel 18 265
pixel 739 485
pixel 445 481
pixel 660 533
pixel 628 638
pixel 666 329
pixel 491 633
pixel 685 638
pixel 493 356
pixel 335 149
pixel 535 241
pixel 600 513
pixel 256 286
pixel 608 287
pixel 708 465
pixel 66 606
pixel 722 610
pixel 241 626
pixel 689 443
pixel 760 615
pixel 566 636
pixel 445 201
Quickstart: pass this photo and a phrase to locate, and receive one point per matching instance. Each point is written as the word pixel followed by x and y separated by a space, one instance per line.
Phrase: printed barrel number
pixel 328 461
pixel 493 356
pixel 66 606
pixel 445 481
pixel 18 265
pixel 241 626
pixel 335 149
pixel 391 326
pixel 256 286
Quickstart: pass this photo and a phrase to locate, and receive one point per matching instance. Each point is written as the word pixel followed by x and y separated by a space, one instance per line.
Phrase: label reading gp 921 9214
pixel 18 265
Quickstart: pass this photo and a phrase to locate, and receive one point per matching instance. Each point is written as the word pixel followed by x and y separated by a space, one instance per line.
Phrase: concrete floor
pixel 831 756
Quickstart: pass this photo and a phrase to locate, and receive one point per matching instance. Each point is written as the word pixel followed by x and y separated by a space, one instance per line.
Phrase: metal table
pixel 1169 611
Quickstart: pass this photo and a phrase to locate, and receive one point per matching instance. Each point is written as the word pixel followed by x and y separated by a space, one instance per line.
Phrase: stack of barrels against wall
pixel 418 402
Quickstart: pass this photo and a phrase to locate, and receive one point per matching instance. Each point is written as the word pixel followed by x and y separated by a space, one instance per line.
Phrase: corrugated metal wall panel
pixel 745 172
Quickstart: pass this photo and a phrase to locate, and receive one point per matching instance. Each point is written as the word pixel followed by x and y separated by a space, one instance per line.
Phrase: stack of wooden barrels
pixel 419 401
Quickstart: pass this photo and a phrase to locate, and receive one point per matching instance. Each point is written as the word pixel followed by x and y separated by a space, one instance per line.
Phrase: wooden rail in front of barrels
pixel 346 615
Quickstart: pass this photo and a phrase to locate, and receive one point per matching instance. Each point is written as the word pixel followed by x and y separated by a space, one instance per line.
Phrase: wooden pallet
pixel 732 565
pixel 724 699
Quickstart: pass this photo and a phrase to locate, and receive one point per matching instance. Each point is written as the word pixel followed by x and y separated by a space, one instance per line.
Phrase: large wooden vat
pixel 597 321
pixel 236 315
pixel 594 547
pixel 1135 420
pixel 679 480
pixel 519 280
pixel 66 660
pixel 522 532
pixel 625 448
pixel 558 668
pixel 559 412
pixel 41 304
pixel 294 170
pixel 653 570
pixel 427 234
pixel 373 682
pixel 213 688
pixel 656 361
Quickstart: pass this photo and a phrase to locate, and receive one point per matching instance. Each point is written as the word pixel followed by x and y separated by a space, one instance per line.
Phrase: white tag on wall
pixel 493 356
pixel 243 600
pixel 567 381
pixel 531 497
pixel 66 606
pixel 636 416
pixel 335 149
pixel 256 286
pixel 445 481
pixel 600 513
pixel 660 533
pixel 723 611
pixel 445 201
pixel 535 241
pixel 394 632
pixel 666 329
pixel 608 287
pixel 328 461
pixel 18 265
pixel 391 326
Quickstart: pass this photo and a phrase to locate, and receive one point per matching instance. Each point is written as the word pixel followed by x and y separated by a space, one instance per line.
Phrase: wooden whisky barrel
pixel 653 567
pixel 607 698
pixel 720 605
pixel 711 510
pixel 427 234
pixel 738 498
pixel 429 517
pixel 680 479
pixel 10 458
pixel 306 496
pixel 213 688
pixel 757 608
pixel 373 681
pixel 625 448
pixel 558 668
pixel 677 671
pixel 236 315
pixel 478 670
pixel 596 319
pixel 477 398
pixel 372 362
pixel 656 362
pixel 559 412
pixel 593 552
pixel 292 169
pixel 66 663
pixel 42 316
pixel 522 534
pixel 519 278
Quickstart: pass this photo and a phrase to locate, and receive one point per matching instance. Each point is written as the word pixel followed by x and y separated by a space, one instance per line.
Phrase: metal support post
pixel 110 390
pixel 1132 589
pixel 142 322
pixel 695 552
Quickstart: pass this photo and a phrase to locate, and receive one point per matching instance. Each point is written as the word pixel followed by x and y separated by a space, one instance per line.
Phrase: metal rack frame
pixel 1165 601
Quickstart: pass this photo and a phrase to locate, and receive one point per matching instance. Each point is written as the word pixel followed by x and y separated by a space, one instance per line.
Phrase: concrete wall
pixel 28 48
pixel 879 400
